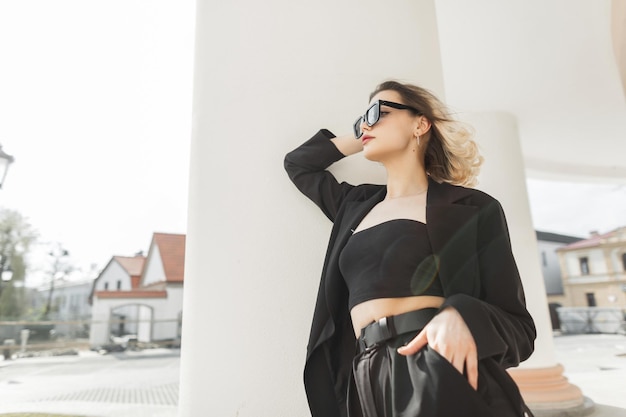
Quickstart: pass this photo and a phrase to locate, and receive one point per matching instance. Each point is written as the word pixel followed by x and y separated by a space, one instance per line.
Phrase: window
pixel 591 299
pixel 106 286
pixel 624 261
pixel 544 258
pixel 119 285
pixel 584 265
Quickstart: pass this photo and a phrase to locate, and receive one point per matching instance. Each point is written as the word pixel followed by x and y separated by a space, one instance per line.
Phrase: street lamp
pixel 5 161
pixel 7 274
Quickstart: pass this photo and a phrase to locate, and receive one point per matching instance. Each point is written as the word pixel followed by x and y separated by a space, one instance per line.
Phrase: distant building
pixel 69 303
pixel 594 270
pixel 122 274
pixel 141 295
pixel 548 244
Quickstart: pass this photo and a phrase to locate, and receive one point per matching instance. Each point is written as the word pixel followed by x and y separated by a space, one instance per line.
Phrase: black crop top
pixel 388 260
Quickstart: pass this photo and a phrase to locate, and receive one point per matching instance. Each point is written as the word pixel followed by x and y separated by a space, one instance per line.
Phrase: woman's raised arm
pixel 306 166
pixel 347 144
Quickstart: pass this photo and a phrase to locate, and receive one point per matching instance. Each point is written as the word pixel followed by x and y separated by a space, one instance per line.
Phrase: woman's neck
pixel 405 179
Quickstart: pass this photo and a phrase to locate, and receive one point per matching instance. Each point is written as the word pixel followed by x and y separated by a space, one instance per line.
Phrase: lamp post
pixel 5 161
pixel 6 273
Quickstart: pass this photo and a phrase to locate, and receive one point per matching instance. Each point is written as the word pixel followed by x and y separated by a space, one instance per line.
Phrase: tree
pixel 16 236
pixel 59 268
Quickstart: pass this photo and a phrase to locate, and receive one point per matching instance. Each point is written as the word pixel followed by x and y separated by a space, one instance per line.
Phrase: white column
pixel 502 175
pixel 540 378
pixel 268 75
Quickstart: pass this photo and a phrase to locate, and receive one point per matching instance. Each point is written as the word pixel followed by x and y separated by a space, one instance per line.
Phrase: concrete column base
pixel 549 394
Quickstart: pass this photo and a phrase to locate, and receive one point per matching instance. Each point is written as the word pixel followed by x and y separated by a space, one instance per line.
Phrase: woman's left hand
pixel 448 334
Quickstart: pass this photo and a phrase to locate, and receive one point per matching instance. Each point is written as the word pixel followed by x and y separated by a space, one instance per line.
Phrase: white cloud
pixel 576 208
pixel 95 103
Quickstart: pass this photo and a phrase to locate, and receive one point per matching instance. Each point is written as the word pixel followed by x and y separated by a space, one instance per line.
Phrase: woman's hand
pixel 448 334
pixel 347 144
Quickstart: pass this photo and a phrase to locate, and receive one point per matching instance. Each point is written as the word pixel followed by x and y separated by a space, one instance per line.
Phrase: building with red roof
pixel 594 270
pixel 141 296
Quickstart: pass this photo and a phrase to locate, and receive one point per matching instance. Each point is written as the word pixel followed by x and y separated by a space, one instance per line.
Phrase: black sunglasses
pixel 372 115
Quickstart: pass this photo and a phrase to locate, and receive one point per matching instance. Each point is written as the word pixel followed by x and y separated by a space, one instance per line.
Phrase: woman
pixel 418 271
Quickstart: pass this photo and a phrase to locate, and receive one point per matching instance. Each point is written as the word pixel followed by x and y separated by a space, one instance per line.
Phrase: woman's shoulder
pixel 364 192
pixel 467 195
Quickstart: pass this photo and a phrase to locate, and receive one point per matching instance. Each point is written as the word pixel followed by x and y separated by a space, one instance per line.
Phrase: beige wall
pixel 606 278
pixel 603 291
pixel 559 299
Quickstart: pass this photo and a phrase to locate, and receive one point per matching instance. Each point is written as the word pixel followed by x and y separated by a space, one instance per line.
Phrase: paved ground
pixel 145 384
pixel 142 384
pixel 597 365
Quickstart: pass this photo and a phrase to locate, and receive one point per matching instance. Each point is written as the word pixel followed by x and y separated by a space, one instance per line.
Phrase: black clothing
pixel 468 234
pixel 387 384
pixel 427 384
pixel 390 259
pixel 389 327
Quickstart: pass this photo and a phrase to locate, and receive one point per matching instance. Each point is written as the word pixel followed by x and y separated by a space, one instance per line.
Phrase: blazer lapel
pixel 452 231
pixel 354 213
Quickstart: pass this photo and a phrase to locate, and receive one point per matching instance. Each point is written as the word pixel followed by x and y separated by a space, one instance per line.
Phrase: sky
pixel 95 106
pixel 576 208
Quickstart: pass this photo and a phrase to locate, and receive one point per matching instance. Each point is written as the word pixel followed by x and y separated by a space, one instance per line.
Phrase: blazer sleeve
pixel 498 318
pixel 306 166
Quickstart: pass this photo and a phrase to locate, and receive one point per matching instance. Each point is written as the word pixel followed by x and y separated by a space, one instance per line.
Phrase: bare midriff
pixel 373 310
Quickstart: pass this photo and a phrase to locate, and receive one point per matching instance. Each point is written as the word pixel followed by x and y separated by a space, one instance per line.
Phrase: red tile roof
pixel 595 240
pixel 172 250
pixel 133 265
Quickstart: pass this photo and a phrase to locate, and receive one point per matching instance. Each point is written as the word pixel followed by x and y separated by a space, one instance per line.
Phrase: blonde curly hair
pixel 451 154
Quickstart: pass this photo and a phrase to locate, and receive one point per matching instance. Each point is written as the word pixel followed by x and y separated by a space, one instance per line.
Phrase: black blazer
pixel 469 236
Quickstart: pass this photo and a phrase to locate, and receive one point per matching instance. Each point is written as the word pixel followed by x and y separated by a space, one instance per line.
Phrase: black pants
pixel 427 385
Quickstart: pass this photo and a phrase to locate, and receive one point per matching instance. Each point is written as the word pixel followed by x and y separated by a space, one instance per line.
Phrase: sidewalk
pixel 128 384
pixel 596 364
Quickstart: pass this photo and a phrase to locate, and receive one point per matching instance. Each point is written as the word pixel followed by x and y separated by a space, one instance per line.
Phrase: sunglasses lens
pixel 357 128
pixel 373 114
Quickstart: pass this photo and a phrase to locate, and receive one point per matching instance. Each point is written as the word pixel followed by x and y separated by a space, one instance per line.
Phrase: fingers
pixel 471 365
pixel 467 361
pixel 448 334
pixel 463 360
pixel 458 361
pixel 414 345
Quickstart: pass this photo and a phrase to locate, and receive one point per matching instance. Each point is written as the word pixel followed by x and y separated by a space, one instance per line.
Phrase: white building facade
pixel 141 296
pixel 70 308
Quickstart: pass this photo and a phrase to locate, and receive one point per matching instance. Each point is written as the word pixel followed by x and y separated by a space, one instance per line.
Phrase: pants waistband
pixel 392 326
